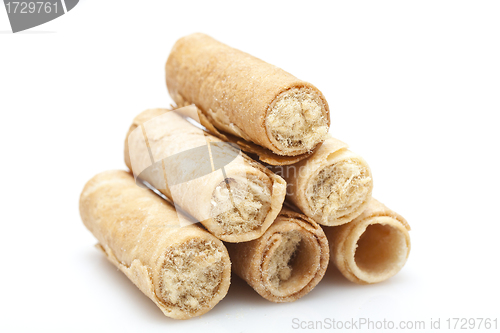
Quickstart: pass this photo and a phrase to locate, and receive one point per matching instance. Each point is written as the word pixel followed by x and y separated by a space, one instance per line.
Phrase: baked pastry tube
pixel 234 197
pixel 333 186
pixel 263 154
pixel 247 97
pixel 373 247
pixel 285 263
pixel 185 271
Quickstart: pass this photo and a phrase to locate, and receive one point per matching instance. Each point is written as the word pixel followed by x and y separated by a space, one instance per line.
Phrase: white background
pixel 414 87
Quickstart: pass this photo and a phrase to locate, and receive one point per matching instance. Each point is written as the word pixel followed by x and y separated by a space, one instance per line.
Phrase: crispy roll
pixel 247 97
pixel 373 247
pixel 184 270
pixel 333 186
pixel 285 263
pixel 234 197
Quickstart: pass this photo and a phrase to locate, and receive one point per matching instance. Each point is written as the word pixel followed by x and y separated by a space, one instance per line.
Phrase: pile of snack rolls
pixel 240 174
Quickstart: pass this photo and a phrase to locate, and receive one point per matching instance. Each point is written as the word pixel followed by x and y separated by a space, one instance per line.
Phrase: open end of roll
pixel 240 205
pixel 191 275
pixel 293 260
pixel 338 193
pixel 381 252
pixel 297 121
pixel 283 259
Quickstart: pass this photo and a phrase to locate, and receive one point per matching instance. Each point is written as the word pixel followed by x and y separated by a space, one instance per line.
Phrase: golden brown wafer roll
pixel 333 186
pixel 185 271
pixel 247 97
pixel 263 154
pixel 285 263
pixel 371 248
pixel 236 203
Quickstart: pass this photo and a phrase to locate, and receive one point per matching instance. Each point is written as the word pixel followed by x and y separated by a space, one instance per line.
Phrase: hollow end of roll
pixel 194 277
pixel 240 205
pixel 380 250
pixel 339 192
pixel 297 121
pixel 290 263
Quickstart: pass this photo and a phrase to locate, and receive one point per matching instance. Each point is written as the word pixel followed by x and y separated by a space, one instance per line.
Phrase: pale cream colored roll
pixel 237 199
pixel 333 186
pixel 247 97
pixel 373 247
pixel 285 263
pixel 185 271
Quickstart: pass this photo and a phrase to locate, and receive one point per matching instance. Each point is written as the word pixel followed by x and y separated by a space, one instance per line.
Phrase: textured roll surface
pixel 185 271
pixel 235 209
pixel 333 186
pixel 285 263
pixel 373 247
pixel 247 97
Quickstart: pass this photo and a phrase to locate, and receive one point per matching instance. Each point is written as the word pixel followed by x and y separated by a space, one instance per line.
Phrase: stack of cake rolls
pixel 246 153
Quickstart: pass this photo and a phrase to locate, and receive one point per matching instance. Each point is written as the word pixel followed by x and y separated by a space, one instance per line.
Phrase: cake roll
pixel 333 186
pixel 185 271
pixel 371 248
pixel 287 261
pixel 234 197
pixel 245 97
